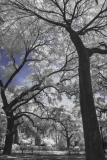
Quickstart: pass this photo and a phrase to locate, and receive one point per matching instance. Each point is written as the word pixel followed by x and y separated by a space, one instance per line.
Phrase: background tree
pixel 67 123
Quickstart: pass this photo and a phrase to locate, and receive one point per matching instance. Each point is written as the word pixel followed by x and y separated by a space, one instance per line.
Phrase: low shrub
pixel 61 145
pixel 15 147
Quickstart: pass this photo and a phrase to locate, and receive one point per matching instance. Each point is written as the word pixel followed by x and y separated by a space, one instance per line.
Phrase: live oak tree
pixel 67 123
pixel 40 126
pixel 85 24
pixel 23 44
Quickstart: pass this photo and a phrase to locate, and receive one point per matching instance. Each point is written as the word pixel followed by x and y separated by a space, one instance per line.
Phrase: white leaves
pixel 12 88
pixel 8 70
pixel 2 68
pixel 48 81
pixel 22 58
pixel 49 100
pixel 59 97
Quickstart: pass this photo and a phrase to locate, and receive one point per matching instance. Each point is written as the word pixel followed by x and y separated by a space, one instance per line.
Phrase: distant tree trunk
pixel 9 136
pixel 16 138
pixel 93 143
pixel 68 142
pixel 37 141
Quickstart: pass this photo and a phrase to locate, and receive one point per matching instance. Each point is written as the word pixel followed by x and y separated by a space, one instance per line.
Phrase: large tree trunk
pixel 9 136
pixel 93 143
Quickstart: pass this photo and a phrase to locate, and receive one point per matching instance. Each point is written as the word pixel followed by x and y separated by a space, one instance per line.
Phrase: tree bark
pixel 93 143
pixel 68 142
pixel 9 136
pixel 16 138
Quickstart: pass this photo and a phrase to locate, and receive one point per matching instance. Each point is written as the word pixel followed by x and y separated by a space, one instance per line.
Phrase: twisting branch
pixel 4 99
pixel 18 115
pixel 14 62
pixel 28 118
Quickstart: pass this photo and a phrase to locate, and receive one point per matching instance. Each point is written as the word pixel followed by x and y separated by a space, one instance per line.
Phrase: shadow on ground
pixel 43 156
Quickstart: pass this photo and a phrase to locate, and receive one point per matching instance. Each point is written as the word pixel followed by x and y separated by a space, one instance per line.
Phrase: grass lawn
pixel 43 155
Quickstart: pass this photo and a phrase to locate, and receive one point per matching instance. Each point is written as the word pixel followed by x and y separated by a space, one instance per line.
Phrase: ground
pixel 39 157
pixel 44 155
pixel 48 157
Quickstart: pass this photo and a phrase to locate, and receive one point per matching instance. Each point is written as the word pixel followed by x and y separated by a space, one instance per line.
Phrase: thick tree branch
pixel 103 110
pixel 96 50
pixel 3 96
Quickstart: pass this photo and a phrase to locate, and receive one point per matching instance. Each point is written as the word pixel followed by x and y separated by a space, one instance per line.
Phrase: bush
pixel 82 146
pixel 61 145
pixel 15 147
pixel 1 146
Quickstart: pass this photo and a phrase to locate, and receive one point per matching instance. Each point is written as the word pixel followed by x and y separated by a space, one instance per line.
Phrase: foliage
pixel 15 147
pixel 80 26
pixel 61 145
pixel 2 126
pixel 67 123
pixel 40 87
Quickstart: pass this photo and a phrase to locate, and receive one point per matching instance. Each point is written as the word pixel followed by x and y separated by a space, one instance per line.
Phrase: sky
pixel 21 76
